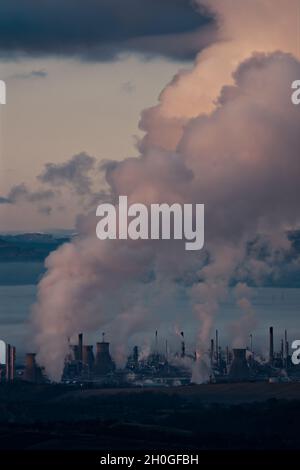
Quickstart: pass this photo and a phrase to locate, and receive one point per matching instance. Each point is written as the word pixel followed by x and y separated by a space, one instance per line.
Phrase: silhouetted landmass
pixel 52 417
pixel 28 247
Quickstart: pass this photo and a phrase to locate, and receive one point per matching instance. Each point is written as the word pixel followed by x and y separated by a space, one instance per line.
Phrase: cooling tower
pixel 88 356
pixel 74 352
pixel 32 372
pixel 104 363
pixel 239 370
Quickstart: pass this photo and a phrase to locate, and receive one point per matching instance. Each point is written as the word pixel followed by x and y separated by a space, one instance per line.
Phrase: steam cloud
pixel 224 134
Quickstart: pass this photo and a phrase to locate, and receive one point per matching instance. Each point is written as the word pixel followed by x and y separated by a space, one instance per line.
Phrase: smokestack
pixel 12 362
pixel 286 349
pixel 8 363
pixel 211 350
pixel 182 345
pixel 251 342
pixel 281 350
pixel 271 346
pixel 80 346
pixel 217 347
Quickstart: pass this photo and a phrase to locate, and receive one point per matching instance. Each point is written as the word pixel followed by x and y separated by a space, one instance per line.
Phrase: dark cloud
pixel 39 73
pixel 45 210
pixel 20 192
pixel 80 176
pixel 75 173
pixel 102 29
pixel 4 200
pixel 128 88
pixel 31 74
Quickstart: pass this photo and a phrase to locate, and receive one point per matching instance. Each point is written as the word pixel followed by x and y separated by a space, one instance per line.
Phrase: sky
pixel 80 84
pixel 76 107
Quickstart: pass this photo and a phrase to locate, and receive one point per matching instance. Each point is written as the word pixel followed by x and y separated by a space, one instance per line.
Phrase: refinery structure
pixel 85 366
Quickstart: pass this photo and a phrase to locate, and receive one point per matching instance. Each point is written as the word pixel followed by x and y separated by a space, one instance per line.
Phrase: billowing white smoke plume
pixel 224 134
pixel 201 370
pixel 247 322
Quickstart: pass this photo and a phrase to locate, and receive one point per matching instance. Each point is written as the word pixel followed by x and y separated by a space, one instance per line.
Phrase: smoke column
pixel 225 134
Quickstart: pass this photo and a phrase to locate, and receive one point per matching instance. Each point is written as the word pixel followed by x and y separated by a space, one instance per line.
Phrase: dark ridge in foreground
pixel 225 416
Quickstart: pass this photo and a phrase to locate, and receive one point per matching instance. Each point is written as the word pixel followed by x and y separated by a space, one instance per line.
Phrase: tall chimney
pixel 182 345
pixel 12 362
pixel 8 363
pixel 281 350
pixel 182 349
pixel 286 347
pixel 217 347
pixel 211 350
pixel 271 346
pixel 80 346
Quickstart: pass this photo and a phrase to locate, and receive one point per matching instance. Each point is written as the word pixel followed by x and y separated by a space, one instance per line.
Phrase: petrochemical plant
pixel 86 368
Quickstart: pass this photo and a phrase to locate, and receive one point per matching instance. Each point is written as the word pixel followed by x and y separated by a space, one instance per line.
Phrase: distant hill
pixel 35 247
pixel 29 246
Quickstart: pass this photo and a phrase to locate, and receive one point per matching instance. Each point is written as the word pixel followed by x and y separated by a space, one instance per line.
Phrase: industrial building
pixel 96 368
pixel 242 365
pixel 163 368
pixel 82 364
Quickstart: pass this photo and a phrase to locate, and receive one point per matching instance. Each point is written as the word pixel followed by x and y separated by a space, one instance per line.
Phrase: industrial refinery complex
pixel 88 368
